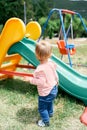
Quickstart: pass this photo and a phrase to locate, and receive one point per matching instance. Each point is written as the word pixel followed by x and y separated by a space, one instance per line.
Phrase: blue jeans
pixel 45 104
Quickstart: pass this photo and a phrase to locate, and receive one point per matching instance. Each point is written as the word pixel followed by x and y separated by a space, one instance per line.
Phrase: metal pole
pixel 65 38
pixel 25 12
pixel 71 29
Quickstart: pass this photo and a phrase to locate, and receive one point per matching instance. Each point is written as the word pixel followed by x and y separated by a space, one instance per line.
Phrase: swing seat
pixel 63 48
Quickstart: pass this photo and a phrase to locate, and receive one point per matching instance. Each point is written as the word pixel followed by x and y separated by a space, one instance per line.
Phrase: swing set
pixel 65 48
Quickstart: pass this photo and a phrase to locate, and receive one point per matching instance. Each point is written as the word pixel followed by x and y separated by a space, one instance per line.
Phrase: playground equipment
pixel 71 81
pixel 33 30
pixel 13 31
pixel 83 117
pixel 17 46
pixel 65 48
pixel 10 35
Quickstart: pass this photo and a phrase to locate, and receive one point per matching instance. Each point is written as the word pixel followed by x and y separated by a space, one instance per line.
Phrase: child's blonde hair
pixel 43 50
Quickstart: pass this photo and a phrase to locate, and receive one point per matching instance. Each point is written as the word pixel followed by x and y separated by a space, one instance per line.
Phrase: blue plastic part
pixel 69 46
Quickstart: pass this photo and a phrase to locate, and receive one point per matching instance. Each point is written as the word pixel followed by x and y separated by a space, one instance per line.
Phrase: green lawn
pixel 18 103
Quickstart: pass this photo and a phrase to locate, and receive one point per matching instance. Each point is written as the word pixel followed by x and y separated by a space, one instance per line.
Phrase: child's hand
pixel 26 78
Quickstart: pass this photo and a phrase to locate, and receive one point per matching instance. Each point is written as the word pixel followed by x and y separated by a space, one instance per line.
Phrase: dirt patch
pixel 77 41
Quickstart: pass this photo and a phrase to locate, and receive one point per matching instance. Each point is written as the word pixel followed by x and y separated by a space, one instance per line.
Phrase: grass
pixel 18 104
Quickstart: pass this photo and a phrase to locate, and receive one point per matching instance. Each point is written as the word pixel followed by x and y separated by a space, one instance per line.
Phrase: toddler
pixel 46 79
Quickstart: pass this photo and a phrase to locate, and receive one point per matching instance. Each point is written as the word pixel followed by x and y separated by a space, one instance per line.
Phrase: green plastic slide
pixel 70 80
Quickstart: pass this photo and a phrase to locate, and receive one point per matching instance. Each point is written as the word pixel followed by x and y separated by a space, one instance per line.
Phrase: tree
pixel 40 7
pixel 10 8
pixel 35 9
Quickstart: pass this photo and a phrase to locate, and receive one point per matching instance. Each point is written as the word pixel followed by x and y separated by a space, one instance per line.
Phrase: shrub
pixel 1 26
pixel 53 26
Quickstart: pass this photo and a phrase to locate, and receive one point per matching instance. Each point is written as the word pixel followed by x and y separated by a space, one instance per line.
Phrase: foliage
pixel 34 9
pixel 78 28
pixel 29 10
pixel 1 27
pixel 53 26
pixel 39 9
pixel 10 9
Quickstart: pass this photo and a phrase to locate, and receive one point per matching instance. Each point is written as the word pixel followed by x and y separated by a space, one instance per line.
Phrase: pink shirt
pixel 45 77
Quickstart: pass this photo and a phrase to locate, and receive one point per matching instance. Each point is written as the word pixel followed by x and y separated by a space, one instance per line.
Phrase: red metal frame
pixel 13 73
pixel 26 66
pixel 68 11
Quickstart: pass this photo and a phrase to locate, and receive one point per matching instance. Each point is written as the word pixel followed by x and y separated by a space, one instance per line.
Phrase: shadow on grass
pixel 18 86
pixel 69 97
pixel 27 115
pixel 24 87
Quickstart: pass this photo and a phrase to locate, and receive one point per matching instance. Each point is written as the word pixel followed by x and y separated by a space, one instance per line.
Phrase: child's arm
pixel 37 79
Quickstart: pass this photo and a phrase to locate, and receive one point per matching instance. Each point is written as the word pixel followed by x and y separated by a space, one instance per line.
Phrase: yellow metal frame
pixel 33 30
pixel 9 63
pixel 13 31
